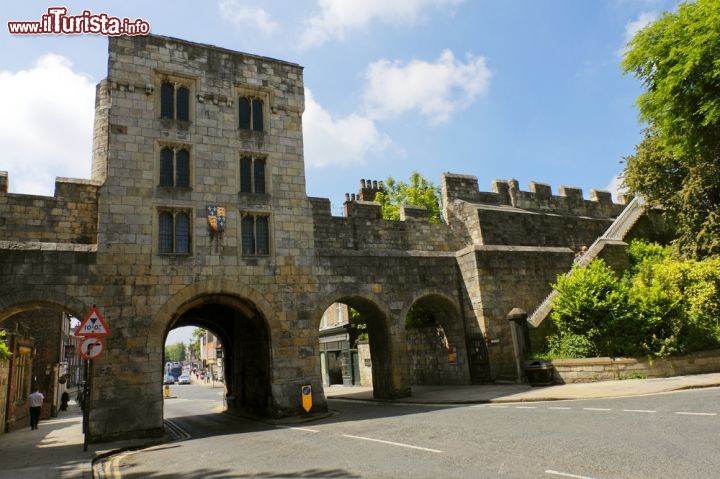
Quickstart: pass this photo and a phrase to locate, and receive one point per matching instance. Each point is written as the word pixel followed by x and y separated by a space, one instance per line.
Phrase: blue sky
pixel 527 89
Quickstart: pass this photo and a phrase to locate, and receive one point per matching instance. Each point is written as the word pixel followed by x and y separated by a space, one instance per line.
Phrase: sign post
pixel 92 327
pixel 307 398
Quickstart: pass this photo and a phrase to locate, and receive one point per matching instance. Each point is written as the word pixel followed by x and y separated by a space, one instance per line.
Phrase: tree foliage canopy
pixel 4 351
pixel 418 192
pixel 175 352
pixel 677 165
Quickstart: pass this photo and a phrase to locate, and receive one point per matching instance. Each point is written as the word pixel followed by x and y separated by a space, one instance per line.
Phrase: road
pixel 662 436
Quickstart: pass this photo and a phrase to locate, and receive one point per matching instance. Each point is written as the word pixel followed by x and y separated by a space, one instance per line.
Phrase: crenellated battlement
pixel 363 227
pixel 70 216
pixel 540 197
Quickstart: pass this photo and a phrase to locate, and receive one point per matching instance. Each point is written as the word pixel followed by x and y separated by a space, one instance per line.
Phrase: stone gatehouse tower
pixel 182 129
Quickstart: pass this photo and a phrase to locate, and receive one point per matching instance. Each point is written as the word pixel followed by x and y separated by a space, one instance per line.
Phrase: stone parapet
pixel 570 201
pixel 582 370
pixel 70 216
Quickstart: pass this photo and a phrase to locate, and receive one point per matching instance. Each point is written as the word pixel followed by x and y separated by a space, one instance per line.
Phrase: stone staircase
pixel 616 232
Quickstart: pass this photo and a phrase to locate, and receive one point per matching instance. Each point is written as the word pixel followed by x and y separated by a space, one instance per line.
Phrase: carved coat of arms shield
pixel 216 218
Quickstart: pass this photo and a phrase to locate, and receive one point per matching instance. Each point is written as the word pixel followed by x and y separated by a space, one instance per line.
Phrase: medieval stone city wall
pixel 97 242
pixel 68 217
pixel 520 241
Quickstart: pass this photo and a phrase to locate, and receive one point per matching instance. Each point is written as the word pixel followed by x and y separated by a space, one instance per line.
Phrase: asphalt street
pixel 670 435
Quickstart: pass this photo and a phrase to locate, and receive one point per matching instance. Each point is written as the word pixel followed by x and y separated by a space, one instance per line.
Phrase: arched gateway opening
pixel 342 361
pixel 40 337
pixel 245 359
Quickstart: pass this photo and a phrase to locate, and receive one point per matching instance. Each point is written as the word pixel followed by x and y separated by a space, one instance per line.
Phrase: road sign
pixel 93 325
pixel 91 348
pixel 307 398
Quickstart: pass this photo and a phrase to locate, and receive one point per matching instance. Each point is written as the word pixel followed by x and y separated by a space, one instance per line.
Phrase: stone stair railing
pixel 617 231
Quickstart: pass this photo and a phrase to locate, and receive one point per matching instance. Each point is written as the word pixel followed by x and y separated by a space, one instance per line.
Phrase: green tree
pixel 418 192
pixel 4 351
pixel 677 165
pixel 195 342
pixel 175 352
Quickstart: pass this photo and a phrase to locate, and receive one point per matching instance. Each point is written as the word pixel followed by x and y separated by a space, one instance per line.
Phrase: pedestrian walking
pixel 36 399
pixel 64 400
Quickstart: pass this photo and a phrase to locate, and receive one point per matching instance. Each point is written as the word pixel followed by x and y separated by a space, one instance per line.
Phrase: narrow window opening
pixel 182 165
pixel 248 240
pixel 183 104
pixel 244 106
pixel 167 100
pixel 257 115
pixel 166 233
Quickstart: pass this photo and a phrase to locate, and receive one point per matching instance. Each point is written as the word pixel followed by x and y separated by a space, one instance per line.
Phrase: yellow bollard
pixel 167 391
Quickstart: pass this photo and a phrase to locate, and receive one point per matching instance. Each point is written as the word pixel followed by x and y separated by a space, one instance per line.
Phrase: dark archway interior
pixel 246 343
pixel 432 360
pixel 380 347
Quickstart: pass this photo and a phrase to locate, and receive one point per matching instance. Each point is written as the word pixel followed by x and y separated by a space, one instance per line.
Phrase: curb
pixel 105 465
pixel 501 400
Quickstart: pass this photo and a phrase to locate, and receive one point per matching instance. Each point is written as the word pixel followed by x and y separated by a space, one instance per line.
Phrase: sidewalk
pixel 54 450
pixel 498 393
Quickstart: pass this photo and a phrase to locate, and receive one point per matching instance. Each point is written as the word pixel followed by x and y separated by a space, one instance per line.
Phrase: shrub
pixel 595 304
pixel 4 351
pixel 661 306
pixel 570 346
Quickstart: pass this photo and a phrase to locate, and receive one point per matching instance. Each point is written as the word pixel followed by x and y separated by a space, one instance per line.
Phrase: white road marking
pixel 697 413
pixel 500 407
pixel 596 409
pixel 478 405
pixel 639 410
pixel 304 429
pixel 393 443
pixel 526 407
pixel 565 474
pixel 560 408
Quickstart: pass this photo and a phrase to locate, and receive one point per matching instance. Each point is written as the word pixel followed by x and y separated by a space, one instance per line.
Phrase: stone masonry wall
pixel 68 217
pixel 131 200
pixel 97 242
pixel 365 230
pixel 566 371
pixel 428 352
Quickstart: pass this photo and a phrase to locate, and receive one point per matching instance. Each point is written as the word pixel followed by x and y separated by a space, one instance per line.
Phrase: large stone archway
pixel 387 342
pixel 244 333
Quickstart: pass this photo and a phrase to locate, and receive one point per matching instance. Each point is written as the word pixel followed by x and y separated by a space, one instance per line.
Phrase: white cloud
pixel 642 21
pixel 337 17
pixel 435 90
pixel 243 15
pixel 46 128
pixel 338 141
pixel 614 186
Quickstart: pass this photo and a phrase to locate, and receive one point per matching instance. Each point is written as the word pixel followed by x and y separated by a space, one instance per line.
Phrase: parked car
pixel 184 378
pixel 169 379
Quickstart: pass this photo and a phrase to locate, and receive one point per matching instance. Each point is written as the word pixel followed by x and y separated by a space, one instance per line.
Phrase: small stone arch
pixel 18 300
pixel 338 295
pixel 387 346
pixel 447 312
